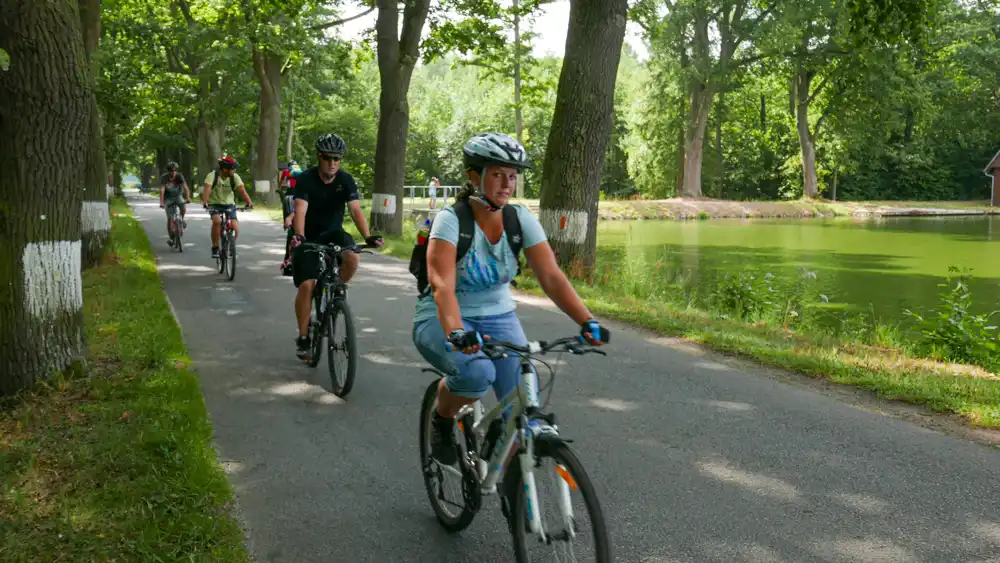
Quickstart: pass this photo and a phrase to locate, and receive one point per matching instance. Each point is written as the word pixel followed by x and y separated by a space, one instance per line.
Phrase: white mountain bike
pixel 489 463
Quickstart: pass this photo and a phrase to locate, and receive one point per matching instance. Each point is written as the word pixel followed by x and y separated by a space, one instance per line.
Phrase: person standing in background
pixel 432 191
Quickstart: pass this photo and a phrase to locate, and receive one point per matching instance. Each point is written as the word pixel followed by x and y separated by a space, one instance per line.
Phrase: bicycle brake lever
pixel 595 351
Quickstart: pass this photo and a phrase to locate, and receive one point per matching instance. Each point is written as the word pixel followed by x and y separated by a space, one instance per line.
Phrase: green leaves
pixel 4 60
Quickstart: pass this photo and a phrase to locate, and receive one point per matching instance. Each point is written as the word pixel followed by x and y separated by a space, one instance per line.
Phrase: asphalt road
pixel 694 460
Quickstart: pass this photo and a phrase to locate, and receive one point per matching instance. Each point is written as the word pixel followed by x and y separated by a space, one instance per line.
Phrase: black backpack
pixel 232 181
pixel 466 230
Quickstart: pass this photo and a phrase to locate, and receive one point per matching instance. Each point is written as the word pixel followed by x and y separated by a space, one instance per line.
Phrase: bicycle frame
pixel 523 425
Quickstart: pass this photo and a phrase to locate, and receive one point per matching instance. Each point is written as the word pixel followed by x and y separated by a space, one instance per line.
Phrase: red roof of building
pixel 994 164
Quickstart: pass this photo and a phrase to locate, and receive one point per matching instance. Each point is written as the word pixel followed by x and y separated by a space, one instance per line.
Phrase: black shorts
pixel 306 263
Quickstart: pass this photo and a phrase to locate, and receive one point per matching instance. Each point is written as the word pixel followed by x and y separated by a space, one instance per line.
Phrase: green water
pixel 889 264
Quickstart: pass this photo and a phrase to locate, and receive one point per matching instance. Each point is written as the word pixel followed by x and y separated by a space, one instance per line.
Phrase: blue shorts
pixel 472 375
pixel 220 209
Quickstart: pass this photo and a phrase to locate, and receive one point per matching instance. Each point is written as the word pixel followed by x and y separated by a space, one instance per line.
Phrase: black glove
pixel 374 240
pixel 462 339
pixel 597 332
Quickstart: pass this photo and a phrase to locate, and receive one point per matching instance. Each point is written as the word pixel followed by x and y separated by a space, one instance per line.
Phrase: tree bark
pixel 581 126
pixel 397 54
pixel 95 213
pixel 209 136
pixel 47 110
pixel 697 121
pixel 267 67
pixel 518 117
pixel 810 180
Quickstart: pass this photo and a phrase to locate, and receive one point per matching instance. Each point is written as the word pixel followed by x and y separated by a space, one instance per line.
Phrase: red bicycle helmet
pixel 228 162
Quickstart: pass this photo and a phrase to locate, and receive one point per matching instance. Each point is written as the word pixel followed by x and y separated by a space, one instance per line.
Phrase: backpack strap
pixel 215 181
pixel 512 227
pixel 466 228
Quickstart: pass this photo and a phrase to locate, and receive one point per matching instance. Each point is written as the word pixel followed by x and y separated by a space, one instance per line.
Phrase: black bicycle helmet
pixel 172 165
pixel 330 143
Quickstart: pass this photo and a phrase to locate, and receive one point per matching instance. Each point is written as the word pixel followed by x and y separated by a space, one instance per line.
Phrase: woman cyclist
pixel 471 300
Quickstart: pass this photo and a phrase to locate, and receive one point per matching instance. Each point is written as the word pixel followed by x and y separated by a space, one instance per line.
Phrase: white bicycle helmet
pixel 485 149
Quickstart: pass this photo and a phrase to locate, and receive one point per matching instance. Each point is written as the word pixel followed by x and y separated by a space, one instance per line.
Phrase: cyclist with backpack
pixel 219 196
pixel 171 184
pixel 464 271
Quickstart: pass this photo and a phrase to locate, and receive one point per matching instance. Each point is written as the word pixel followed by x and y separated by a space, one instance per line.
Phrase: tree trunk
pixel 267 66
pixel 147 175
pixel 810 181
pixel 518 116
pixel 291 131
pixel 209 134
pixel 581 126
pixel 116 178
pixel 46 111
pixel 694 141
pixel 95 214
pixel 397 54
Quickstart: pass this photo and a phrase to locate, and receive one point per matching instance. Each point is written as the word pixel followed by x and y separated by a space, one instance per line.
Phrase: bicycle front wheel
pixel 232 256
pixel 317 329
pixel 571 515
pixel 342 348
pixel 178 234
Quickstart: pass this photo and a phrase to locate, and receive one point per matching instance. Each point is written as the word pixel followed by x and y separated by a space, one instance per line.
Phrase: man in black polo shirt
pixel 321 195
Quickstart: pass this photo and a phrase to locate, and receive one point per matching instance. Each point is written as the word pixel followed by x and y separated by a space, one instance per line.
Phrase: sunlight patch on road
pixel 369 329
pixel 715 366
pixel 733 551
pixel 732 406
pixel 760 484
pixel 617 405
pixel 232 467
pixel 868 550
pixel 988 531
pixel 184 267
pixel 862 503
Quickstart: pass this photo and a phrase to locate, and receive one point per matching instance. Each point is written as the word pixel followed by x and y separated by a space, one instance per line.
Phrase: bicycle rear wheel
pixel 231 251
pixel 341 384
pixel 453 510
pixel 559 472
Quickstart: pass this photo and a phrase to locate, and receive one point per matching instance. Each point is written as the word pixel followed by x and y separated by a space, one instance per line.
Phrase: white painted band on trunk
pixel 52 283
pixel 384 203
pixel 564 225
pixel 262 186
pixel 95 216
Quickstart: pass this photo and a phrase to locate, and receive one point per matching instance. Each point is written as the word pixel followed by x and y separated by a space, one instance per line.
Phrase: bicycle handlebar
pixel 495 349
pixel 337 249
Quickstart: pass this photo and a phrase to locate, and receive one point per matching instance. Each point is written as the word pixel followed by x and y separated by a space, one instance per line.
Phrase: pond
pixel 884 264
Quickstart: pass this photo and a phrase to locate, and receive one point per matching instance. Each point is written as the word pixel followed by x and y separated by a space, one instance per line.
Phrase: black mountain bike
pixel 330 304
pixel 226 260
pixel 177 224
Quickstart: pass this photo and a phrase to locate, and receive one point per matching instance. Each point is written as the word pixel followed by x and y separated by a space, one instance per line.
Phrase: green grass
pixel 117 464
pixel 876 357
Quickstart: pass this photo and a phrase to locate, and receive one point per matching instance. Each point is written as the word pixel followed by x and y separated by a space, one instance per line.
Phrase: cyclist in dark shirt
pixel 171 185
pixel 321 195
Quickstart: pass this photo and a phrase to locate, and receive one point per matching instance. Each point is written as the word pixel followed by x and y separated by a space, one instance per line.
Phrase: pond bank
pixel 703 208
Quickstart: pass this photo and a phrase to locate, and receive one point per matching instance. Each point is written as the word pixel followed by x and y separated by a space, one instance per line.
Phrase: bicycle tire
pixel 317 328
pixel 337 308
pixel 561 454
pixel 231 251
pixel 178 234
pixel 465 517
pixel 222 256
